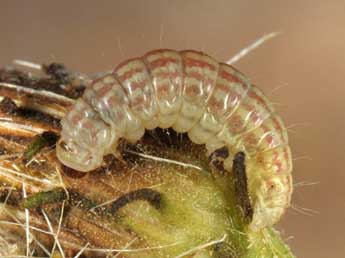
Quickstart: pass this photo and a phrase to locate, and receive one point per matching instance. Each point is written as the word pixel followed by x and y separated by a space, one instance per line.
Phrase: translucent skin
pixel 190 92
pixel 166 69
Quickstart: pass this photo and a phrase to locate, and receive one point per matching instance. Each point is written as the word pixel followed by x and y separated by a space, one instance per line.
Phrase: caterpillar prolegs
pixel 192 93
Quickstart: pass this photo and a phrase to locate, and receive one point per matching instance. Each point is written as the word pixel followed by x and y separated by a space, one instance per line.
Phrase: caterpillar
pixel 192 93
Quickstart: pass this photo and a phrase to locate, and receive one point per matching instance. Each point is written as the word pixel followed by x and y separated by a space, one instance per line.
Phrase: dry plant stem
pixel 164 199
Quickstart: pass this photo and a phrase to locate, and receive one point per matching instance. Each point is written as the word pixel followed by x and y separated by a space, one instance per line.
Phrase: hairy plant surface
pixel 161 197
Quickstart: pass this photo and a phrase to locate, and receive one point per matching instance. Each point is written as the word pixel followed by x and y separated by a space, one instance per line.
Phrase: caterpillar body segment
pixel 200 74
pixel 227 94
pixel 166 70
pixel 134 76
pixel 109 99
pixel 193 93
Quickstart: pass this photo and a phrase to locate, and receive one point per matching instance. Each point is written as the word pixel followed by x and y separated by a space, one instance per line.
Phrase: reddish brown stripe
pixel 277 124
pixel 269 139
pixel 229 77
pixel 277 161
pixel 188 61
pixel 196 75
pixel 287 157
pixel 97 80
pixel 129 74
pixel 260 100
pixel 162 62
pixel 201 77
pixel 164 75
pixel 124 63
pixel 223 87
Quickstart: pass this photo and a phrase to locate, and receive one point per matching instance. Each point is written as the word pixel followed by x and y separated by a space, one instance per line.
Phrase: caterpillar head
pixel 85 138
pixel 76 157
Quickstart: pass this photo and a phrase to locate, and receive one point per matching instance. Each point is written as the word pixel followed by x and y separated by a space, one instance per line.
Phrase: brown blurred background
pixel 302 70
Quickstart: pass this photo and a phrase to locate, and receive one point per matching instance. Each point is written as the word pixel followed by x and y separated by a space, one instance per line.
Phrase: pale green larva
pixel 193 93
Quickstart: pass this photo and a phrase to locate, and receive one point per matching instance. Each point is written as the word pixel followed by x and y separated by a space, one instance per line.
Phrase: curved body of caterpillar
pixel 190 92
